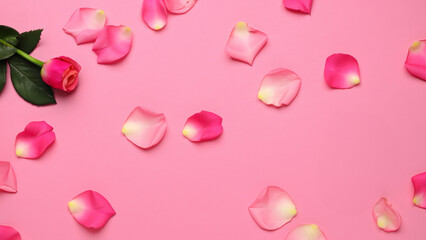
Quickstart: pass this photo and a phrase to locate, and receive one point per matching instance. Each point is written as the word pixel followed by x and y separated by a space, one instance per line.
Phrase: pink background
pixel 336 152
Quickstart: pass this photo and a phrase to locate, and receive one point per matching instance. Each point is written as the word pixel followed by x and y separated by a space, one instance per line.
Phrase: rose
pixel 61 73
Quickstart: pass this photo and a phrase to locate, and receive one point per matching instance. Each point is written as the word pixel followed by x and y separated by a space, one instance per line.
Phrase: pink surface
pixel 335 152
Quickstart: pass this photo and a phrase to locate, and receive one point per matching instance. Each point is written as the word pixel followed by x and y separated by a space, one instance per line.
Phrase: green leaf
pixel 6 51
pixel 28 40
pixel 26 80
pixel 2 74
pixel 9 35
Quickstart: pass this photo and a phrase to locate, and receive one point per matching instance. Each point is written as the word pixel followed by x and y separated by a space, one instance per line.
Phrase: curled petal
pixel 416 60
pixel 154 14
pixel 306 232
pixel 419 183
pixel 91 209
pixel 279 87
pixel 85 24
pixel 179 6
pixel 273 208
pixel 386 217
pixel 9 233
pixel 303 6
pixel 144 128
pixel 34 140
pixel 203 126
pixel 7 178
pixel 113 44
pixel 341 71
pixel 245 43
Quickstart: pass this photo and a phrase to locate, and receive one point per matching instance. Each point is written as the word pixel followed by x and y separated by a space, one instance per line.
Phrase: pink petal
pixel 273 208
pixel 144 128
pixel 341 71
pixel 85 24
pixel 303 6
pixel 7 178
pixel 154 14
pixel 91 209
pixel 34 140
pixel 386 217
pixel 306 232
pixel 9 233
pixel 419 183
pixel 245 43
pixel 203 126
pixel 113 44
pixel 179 6
pixel 416 59
pixel 279 87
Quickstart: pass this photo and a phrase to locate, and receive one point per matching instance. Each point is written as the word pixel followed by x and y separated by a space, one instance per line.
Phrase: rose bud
pixel 61 73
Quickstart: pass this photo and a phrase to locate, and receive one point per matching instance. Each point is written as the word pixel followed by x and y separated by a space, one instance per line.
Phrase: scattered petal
pixel 7 178
pixel 91 209
pixel 341 71
pixel 386 217
pixel 203 126
pixel 416 59
pixel 245 43
pixel 179 6
pixel 113 44
pixel 85 24
pixel 144 128
pixel 154 14
pixel 279 87
pixel 34 140
pixel 419 183
pixel 306 232
pixel 9 233
pixel 273 208
pixel 303 6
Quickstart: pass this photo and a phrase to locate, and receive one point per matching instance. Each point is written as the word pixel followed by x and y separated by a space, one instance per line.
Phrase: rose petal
pixel 85 24
pixel 303 6
pixel 386 217
pixel 341 71
pixel 154 14
pixel 9 233
pixel 419 183
pixel 34 140
pixel 306 232
pixel 179 6
pixel 245 43
pixel 279 87
pixel 7 178
pixel 416 59
pixel 203 126
pixel 273 208
pixel 113 44
pixel 91 209
pixel 144 128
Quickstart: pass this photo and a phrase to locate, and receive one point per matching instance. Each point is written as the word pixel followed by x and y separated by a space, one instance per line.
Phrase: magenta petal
pixel 273 208
pixel 7 178
pixel 419 183
pixel 34 140
pixel 306 232
pixel 341 71
pixel 91 209
pixel 279 87
pixel 113 44
pixel 303 6
pixel 203 126
pixel 245 43
pixel 386 217
pixel 416 59
pixel 9 233
pixel 85 24
pixel 179 6
pixel 154 14
pixel 144 128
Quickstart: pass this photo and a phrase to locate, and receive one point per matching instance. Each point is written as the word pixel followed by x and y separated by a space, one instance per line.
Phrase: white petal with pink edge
pixel 7 178
pixel 306 232
pixel 85 24
pixel 113 44
pixel 386 216
pixel 34 140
